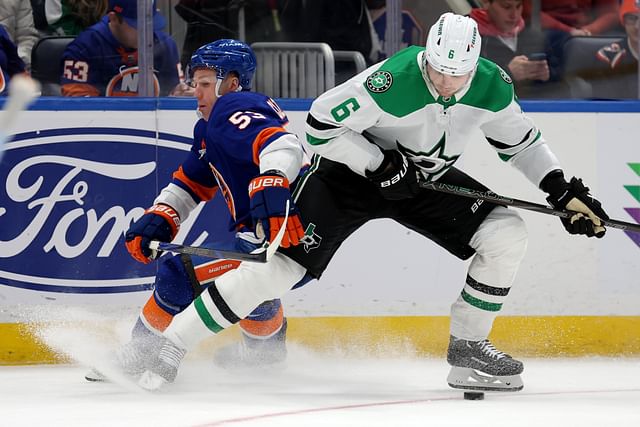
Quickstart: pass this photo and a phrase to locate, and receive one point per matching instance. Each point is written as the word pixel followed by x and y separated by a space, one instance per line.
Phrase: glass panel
pixel 588 53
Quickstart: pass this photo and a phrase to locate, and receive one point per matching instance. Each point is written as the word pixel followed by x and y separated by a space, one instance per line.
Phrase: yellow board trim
pixel 530 336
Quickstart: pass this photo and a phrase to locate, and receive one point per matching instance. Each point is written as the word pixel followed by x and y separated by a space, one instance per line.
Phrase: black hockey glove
pixel 396 177
pixel 574 196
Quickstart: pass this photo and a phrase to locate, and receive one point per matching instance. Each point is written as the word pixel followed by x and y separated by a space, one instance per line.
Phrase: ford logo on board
pixel 69 197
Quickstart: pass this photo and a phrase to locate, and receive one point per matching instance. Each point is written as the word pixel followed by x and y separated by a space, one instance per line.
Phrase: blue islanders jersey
pixel 10 62
pixel 225 153
pixel 95 64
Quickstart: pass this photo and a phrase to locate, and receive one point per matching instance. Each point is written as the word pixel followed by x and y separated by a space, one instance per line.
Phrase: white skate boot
pixel 165 369
pixel 478 365
pixel 133 358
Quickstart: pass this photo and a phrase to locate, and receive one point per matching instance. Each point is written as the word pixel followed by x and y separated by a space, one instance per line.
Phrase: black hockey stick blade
pixel 497 199
pixel 259 256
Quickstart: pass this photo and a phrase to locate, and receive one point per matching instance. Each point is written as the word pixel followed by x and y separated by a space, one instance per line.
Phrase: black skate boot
pixel 250 353
pixel 478 365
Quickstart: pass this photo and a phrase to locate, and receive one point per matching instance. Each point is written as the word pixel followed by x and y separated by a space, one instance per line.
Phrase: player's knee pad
pixel 503 233
pixel 265 320
pixel 500 243
pixel 173 287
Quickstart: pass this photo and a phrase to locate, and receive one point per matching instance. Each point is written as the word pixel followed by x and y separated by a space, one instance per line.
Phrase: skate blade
pixel 95 376
pixel 471 379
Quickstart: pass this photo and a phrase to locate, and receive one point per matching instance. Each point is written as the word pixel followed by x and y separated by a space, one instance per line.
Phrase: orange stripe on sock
pixel 155 316
pixel 209 271
pixel 263 328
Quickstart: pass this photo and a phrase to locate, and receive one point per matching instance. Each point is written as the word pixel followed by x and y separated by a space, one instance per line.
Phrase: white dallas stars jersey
pixel 392 106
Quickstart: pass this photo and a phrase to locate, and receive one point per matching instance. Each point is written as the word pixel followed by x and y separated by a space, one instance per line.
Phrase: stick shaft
pixel 209 252
pixel 522 204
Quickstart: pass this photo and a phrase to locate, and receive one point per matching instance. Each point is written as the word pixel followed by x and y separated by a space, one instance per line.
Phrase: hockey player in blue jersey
pixel 241 149
pixel 103 59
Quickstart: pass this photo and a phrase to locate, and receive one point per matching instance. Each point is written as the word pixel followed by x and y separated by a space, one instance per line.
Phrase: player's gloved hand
pixel 396 177
pixel 574 196
pixel 269 193
pixel 159 222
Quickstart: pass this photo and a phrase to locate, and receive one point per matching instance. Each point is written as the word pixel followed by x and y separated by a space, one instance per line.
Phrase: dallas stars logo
pixel 505 76
pixel 380 81
pixel 432 162
pixel 311 239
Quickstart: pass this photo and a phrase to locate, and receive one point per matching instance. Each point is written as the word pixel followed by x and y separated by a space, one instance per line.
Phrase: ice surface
pixel 327 390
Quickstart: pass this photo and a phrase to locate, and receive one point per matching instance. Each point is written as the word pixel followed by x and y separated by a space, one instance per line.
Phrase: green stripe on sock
pixel 206 317
pixel 483 305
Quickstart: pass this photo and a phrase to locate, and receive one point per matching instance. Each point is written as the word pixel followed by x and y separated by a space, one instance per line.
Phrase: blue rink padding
pixel 148 104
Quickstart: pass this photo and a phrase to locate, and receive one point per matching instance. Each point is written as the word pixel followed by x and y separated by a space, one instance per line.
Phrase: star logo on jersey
pixel 432 162
pixel 505 76
pixel 380 81
pixel 311 240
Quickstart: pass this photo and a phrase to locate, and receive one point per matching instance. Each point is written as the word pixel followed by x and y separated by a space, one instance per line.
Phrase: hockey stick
pixel 262 254
pixel 22 90
pixel 522 204
pixel 259 256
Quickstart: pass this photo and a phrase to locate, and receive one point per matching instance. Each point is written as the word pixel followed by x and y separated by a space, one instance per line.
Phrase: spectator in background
pixel 343 26
pixel 209 20
pixel 562 19
pixel 520 51
pixel 103 60
pixel 17 18
pixel 614 72
pixel 10 62
pixel 577 17
pixel 67 17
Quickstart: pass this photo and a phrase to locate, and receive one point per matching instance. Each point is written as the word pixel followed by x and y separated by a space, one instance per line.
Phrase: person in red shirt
pixel 506 41
pixel 577 17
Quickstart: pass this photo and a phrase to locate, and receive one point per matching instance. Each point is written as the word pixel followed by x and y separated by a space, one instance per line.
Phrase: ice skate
pixel 478 365
pixel 254 353
pixel 133 358
pixel 95 376
pixel 165 369
pixel 130 359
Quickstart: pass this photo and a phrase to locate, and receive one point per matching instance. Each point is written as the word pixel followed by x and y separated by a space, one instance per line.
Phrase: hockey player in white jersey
pixel 407 119
pixel 415 112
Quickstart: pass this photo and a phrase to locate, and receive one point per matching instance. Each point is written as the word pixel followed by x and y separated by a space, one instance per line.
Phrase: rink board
pixel 530 336
pixel 101 162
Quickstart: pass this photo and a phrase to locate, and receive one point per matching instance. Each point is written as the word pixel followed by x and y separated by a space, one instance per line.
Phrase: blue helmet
pixel 226 55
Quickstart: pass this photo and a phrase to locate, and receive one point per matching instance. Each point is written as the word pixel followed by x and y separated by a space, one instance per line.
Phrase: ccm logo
pixel 263 182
